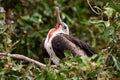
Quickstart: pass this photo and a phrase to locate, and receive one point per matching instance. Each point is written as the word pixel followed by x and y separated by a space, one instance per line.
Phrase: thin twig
pixel 22 57
pixel 92 8
pixel 104 65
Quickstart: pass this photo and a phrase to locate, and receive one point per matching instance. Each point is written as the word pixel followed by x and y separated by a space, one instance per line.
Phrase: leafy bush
pixel 27 23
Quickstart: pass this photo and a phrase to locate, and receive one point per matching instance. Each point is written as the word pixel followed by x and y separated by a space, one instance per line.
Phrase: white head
pixel 63 28
pixel 60 27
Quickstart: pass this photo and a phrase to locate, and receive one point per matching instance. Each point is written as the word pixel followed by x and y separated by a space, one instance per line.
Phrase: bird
pixel 58 41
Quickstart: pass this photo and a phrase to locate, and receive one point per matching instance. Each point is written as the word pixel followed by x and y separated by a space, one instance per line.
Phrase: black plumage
pixel 60 43
pixel 58 40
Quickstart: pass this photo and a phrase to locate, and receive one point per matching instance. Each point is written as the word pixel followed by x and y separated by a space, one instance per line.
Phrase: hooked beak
pixel 57 14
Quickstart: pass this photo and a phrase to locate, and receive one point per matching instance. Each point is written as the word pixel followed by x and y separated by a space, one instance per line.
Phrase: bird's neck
pixel 51 32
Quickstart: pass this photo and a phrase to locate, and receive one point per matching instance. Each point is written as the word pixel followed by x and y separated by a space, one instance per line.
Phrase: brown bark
pixel 22 57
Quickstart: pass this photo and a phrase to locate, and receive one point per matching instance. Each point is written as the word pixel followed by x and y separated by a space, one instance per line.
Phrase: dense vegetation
pixel 27 22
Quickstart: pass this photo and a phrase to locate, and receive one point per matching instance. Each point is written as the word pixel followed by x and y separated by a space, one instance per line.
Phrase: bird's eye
pixel 64 27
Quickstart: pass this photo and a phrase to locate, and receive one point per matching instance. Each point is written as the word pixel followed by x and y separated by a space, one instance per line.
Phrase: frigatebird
pixel 58 40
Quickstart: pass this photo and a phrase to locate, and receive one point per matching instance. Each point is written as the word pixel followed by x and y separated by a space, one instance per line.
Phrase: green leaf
pixel 25 17
pixel 117 64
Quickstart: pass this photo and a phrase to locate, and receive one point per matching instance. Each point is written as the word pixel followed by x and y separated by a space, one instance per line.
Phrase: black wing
pixel 58 46
pixel 88 49
pixel 63 42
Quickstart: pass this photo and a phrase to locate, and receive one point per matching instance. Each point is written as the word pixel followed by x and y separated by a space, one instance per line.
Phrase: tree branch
pixel 92 7
pixel 22 57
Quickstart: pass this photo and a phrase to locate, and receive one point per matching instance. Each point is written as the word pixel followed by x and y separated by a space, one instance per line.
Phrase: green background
pixel 28 21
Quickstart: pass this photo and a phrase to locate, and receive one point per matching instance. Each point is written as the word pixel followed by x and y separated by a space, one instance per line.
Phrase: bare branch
pixel 22 57
pixel 92 8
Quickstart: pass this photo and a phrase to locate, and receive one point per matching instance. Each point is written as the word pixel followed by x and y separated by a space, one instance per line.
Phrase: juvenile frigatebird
pixel 58 40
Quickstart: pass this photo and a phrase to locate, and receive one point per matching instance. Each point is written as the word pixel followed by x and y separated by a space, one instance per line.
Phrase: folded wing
pixel 65 42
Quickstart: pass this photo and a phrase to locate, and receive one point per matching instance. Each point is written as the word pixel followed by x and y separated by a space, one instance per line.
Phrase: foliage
pixel 27 24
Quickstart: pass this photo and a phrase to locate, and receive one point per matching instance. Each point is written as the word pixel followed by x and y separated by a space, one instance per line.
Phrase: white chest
pixel 49 49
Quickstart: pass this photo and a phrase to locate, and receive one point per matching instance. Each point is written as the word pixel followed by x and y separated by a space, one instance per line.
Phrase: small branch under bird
pixel 58 40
